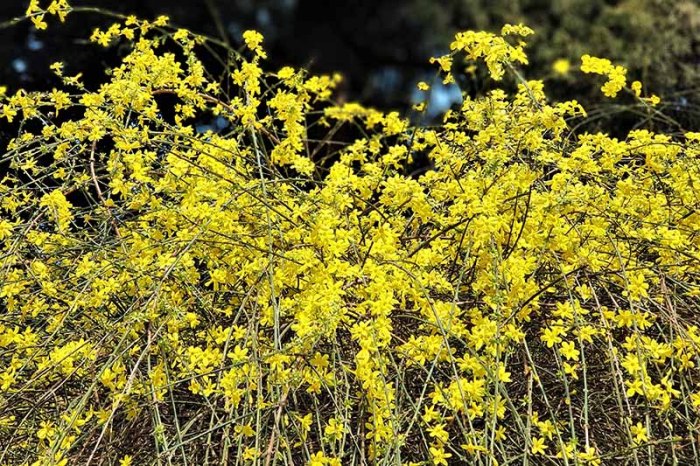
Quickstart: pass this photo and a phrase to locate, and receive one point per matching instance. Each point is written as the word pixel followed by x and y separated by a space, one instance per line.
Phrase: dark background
pixel 382 46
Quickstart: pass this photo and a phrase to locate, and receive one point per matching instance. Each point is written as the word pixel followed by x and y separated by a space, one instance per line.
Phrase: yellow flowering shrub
pixel 260 296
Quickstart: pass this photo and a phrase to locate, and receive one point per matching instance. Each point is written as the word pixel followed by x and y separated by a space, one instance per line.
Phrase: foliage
pixel 657 40
pixel 256 295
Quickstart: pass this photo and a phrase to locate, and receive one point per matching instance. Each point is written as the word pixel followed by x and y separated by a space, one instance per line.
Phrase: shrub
pixel 255 295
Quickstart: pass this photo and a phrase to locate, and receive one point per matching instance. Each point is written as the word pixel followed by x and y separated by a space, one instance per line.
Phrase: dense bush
pixel 253 294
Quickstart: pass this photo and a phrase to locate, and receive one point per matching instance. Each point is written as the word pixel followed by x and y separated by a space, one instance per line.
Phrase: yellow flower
pixel 634 387
pixel 439 433
pixel 569 351
pixel 439 456
pixel 654 100
pixel 639 433
pixel 472 448
pixel 46 431
pixel 695 400
pixel 334 429
pixel 561 66
pixel 253 40
pixel 571 370
pixel 551 336
pixel 636 87
pixel 5 229
pixel 39 22
pixel 317 459
pixel 245 430
pixel 161 20
pixel 638 286
pixel 538 446
pixel 603 66
pixel 305 424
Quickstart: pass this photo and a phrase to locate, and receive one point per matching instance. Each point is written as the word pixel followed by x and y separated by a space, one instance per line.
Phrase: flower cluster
pixel 615 74
pixel 36 13
pixel 493 49
pixel 177 295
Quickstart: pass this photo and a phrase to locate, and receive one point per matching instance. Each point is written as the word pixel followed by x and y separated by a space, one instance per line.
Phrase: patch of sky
pixel 440 97
pixel 33 43
pixel 19 65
